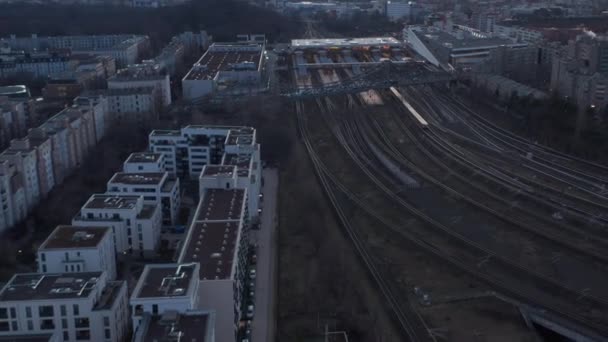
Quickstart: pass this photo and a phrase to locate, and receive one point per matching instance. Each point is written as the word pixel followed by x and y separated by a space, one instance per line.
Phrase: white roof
pixel 344 42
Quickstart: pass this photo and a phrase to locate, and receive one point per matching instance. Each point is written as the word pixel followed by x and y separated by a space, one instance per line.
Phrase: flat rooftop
pixel 102 201
pixel 165 280
pixel 144 157
pixel 191 327
pixel 212 245
pixel 144 178
pixel 240 136
pixel 439 37
pixel 242 161
pixel 221 205
pixel 344 42
pixel 218 170
pixel 38 286
pixel 74 237
pixel 214 61
pixel 27 338
pixel 166 132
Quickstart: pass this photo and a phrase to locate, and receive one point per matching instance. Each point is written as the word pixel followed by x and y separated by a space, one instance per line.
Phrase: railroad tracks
pixel 512 279
pixel 517 281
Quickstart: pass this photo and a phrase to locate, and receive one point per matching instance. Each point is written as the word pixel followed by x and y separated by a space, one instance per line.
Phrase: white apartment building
pixel 196 326
pixel 132 104
pixel 189 149
pixel 142 77
pixel 165 287
pixel 144 162
pixel 74 249
pixel 218 240
pixel 40 65
pixel 518 33
pixel 135 226
pixel 157 188
pixel 12 195
pixel 41 147
pixel 99 107
pixel 25 163
pixel 77 306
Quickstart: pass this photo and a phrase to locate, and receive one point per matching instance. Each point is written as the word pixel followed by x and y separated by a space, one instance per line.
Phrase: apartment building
pixel 135 226
pixel 40 147
pixel 196 326
pixel 12 195
pixel 165 287
pixel 25 163
pixel 144 162
pixel 13 120
pixel 143 76
pixel 82 306
pixel 125 49
pixel 189 149
pixel 74 249
pixel 131 104
pixel 157 188
pixel 38 65
pixel 217 240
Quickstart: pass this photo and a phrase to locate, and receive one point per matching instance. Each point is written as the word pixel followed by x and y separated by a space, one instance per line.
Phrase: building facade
pixel 74 249
pixel 77 306
pixel 135 226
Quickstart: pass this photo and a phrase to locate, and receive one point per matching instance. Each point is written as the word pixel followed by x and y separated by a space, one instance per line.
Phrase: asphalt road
pixel 263 324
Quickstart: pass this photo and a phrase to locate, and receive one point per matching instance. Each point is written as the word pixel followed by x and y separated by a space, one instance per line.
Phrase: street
pixel 263 324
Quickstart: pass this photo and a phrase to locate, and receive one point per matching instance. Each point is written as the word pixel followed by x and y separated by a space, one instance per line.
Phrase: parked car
pixel 254 258
pixel 252 273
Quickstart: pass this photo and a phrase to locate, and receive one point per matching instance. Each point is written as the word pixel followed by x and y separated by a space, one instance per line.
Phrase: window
pixel 128 231
pixel 67 256
pixel 43 268
pixel 66 335
pixel 64 323
pixel 77 268
pixel 76 309
pixel 13 313
pixel 81 322
pixel 30 325
pixel 63 310
pixel 154 309
pixel 140 167
pixel 28 312
pixel 3 313
pixel 108 334
pixel 83 335
pixel 106 321
pixel 14 325
pixel 128 222
pixel 149 198
pixel 47 324
pixel 46 311
pixel 42 257
pixel 129 241
pixel 4 326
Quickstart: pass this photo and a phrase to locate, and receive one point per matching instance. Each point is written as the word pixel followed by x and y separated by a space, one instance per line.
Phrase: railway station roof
pixel 344 42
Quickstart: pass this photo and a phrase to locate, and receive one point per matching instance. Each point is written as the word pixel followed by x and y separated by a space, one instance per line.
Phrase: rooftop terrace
pixel 74 237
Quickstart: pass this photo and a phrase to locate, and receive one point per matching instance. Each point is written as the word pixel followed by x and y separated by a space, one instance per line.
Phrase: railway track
pixel 509 278
pixel 407 317
pixel 559 162
pixel 514 280
pixel 501 167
